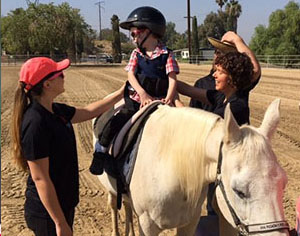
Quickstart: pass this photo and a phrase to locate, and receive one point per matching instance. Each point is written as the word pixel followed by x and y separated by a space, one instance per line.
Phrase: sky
pixel 254 12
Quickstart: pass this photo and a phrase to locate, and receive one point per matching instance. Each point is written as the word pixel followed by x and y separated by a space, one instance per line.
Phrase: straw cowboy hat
pixel 222 46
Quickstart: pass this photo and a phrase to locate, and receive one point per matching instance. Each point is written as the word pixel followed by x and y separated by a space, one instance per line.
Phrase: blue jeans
pixel 45 226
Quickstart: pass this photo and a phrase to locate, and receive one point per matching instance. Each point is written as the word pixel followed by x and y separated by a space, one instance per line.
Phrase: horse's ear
pixel 232 129
pixel 271 119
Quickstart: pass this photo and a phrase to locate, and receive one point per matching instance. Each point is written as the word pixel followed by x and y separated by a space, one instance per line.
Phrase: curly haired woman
pixel 234 71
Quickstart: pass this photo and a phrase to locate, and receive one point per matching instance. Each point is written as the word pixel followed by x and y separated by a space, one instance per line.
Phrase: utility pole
pixel 189 29
pixel 99 6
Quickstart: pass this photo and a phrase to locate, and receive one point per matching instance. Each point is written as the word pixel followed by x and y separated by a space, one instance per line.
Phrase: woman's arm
pixel 99 107
pixel 39 170
pixel 191 91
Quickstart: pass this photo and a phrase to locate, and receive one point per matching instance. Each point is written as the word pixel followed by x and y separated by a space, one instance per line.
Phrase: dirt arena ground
pixel 87 84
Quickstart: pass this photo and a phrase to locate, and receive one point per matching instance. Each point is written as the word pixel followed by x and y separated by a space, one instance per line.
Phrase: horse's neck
pixel 213 143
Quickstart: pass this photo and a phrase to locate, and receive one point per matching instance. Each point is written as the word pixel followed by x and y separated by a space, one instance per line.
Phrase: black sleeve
pixel 255 83
pixel 252 86
pixel 64 110
pixel 212 96
pixel 195 103
pixel 36 140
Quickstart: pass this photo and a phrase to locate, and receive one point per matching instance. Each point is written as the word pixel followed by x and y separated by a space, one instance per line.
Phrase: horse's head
pixel 252 178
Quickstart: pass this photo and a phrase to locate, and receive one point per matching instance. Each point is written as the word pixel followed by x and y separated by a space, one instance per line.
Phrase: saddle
pixel 124 146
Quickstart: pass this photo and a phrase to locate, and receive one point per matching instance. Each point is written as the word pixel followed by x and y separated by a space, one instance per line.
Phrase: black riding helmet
pixel 146 17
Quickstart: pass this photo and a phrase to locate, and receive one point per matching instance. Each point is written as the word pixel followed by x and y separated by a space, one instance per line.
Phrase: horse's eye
pixel 239 193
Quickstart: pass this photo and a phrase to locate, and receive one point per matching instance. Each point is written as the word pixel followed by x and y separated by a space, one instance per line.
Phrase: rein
pixel 243 229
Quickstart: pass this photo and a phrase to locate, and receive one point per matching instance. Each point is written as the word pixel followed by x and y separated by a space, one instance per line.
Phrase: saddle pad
pixel 142 113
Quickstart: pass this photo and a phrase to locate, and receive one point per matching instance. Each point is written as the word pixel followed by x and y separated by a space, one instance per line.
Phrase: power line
pixel 99 6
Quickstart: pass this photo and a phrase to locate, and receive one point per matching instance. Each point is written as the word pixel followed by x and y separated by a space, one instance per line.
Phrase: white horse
pixel 178 157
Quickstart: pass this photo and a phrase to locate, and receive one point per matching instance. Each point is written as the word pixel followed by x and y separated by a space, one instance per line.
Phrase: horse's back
pixel 155 188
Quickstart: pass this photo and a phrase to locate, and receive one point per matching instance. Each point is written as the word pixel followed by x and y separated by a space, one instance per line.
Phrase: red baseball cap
pixel 36 69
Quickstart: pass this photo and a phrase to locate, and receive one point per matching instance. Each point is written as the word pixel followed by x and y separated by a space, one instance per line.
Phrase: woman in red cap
pixel 44 143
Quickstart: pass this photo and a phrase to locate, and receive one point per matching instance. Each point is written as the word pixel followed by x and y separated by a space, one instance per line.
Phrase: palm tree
pixel 221 3
pixel 35 2
pixel 233 10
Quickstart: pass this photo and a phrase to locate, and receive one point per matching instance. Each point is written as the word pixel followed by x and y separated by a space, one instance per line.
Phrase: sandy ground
pixel 87 84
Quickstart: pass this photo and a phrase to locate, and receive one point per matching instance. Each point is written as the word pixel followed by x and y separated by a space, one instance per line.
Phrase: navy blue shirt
pixel 45 134
pixel 238 106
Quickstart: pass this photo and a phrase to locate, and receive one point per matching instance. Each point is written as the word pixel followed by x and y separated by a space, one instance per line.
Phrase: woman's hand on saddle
pixel 145 99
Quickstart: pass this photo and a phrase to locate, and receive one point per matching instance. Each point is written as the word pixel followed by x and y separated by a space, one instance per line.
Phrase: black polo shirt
pixel 238 106
pixel 217 98
pixel 45 134
pixel 207 82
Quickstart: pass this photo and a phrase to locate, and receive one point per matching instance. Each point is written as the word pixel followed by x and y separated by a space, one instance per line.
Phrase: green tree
pixel 106 34
pixel 46 29
pixel 116 43
pixel 195 39
pixel 233 10
pixel 282 36
pixel 221 3
pixel 124 38
pixel 128 47
pixel 214 25
pixel 259 40
pixel 14 32
pixel 217 24
pixel 171 35
pixel 181 41
pixel 43 37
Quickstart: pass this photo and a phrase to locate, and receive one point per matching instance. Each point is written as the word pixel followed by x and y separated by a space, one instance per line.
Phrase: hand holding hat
pixel 223 46
pixel 227 43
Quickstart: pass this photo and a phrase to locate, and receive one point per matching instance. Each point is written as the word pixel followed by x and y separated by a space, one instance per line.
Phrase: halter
pixel 243 229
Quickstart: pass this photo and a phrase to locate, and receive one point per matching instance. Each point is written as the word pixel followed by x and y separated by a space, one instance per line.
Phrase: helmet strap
pixel 140 45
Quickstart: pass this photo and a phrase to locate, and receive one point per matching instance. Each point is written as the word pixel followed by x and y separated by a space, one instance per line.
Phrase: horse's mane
pixel 182 133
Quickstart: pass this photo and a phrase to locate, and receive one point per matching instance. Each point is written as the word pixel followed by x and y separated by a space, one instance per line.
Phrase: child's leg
pixel 113 126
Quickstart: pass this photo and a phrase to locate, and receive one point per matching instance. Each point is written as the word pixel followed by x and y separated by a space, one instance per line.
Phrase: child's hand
pixel 167 101
pixel 145 99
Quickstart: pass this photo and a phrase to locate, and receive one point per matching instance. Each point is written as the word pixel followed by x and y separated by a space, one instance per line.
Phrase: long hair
pixel 22 100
